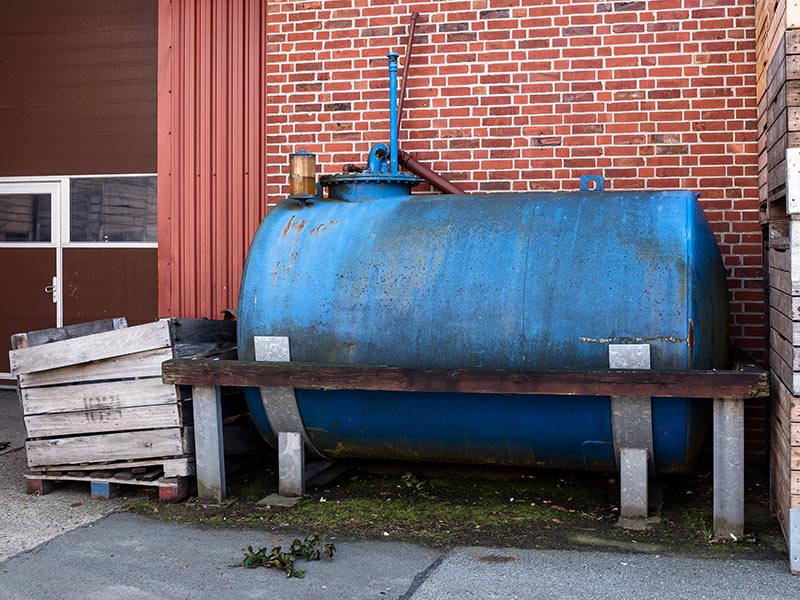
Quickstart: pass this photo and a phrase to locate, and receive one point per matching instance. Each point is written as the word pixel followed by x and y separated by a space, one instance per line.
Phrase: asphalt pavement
pixel 26 521
pixel 125 557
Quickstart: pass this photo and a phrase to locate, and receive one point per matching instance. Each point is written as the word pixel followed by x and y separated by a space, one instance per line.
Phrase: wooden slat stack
pixel 95 407
pixel 778 89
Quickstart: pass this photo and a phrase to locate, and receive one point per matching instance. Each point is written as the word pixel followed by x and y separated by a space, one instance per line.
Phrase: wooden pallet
pixel 107 483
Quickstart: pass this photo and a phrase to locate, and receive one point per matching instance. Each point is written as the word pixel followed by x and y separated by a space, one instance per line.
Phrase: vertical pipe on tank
pixel 394 146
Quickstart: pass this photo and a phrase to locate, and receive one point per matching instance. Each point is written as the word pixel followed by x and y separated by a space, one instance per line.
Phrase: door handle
pixel 52 289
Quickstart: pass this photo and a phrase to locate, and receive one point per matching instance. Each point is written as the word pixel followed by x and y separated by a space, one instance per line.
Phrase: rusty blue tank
pixel 373 275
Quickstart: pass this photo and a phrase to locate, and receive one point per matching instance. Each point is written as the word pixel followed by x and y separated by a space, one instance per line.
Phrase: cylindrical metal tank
pixel 517 281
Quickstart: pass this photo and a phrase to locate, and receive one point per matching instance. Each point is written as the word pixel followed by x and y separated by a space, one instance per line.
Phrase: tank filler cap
pixel 593 183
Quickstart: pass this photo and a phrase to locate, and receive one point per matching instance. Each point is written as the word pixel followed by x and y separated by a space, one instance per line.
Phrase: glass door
pixel 30 260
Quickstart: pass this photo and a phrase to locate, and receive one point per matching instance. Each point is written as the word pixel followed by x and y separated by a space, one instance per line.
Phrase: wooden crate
pixel 92 393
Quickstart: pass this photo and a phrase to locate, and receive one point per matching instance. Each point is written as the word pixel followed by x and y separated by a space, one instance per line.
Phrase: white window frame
pixel 63 213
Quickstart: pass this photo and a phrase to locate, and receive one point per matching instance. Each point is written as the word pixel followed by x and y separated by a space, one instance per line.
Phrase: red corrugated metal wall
pixel 211 80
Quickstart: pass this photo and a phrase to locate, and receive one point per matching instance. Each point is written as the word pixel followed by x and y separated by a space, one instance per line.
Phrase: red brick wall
pixel 518 95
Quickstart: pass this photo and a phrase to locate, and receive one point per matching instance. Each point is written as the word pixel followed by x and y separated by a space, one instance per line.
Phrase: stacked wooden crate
pixel 95 407
pixel 778 89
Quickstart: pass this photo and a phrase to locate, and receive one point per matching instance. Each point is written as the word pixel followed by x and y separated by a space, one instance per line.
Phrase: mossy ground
pixel 446 506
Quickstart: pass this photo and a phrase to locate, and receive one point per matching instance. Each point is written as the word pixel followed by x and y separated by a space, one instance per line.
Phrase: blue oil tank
pixel 375 276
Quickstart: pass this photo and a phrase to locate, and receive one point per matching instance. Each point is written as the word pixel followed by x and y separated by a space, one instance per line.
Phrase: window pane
pixel 113 209
pixel 24 217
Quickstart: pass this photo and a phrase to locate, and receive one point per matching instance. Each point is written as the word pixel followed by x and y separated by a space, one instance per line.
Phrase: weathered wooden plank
pixel 776 63
pixel 700 384
pixel 776 104
pixel 779 127
pixel 135 418
pixel 779 480
pixel 763 15
pixel 784 448
pixel 792 116
pixel 779 260
pixel 783 396
pixel 58 334
pixel 115 479
pixel 776 167
pixel 793 185
pixel 787 305
pixel 112 395
pixel 781 346
pixel 769 42
pixel 778 410
pixel 792 41
pixel 793 92
pixel 99 346
pixel 779 234
pixel 784 371
pixel 789 329
pixel 173 467
pixel 795 483
pixel 141 364
pixel 780 431
pixel 776 191
pixel 107 447
pixel 780 280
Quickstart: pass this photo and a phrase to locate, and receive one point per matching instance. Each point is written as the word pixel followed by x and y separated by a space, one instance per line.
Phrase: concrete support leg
pixel 794 540
pixel 633 483
pixel 208 444
pixel 728 468
pixel 291 464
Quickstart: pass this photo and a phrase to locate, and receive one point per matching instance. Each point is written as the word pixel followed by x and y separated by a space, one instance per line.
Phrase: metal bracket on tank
pixel 598 180
pixel 280 405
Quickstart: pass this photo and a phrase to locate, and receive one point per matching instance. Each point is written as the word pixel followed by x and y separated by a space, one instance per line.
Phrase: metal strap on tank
pixel 280 403
pixel 631 416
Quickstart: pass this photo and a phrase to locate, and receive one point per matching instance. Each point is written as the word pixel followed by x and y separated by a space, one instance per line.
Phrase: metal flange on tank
pixel 380 178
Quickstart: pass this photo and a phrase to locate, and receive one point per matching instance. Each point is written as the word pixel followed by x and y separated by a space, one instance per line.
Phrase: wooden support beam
pixel 665 384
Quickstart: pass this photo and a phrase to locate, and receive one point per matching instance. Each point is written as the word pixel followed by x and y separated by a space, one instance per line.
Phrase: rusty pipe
pixel 429 175
pixel 406 64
